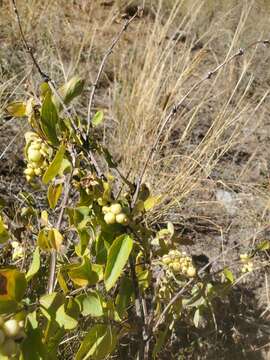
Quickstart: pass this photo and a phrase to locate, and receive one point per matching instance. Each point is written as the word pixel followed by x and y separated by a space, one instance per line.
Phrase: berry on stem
pixel 109 218
pixel 116 208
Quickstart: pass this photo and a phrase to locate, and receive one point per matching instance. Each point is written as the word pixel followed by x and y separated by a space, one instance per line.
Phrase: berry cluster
pixel 247 263
pixel 179 263
pixel 11 333
pixel 37 153
pixel 114 214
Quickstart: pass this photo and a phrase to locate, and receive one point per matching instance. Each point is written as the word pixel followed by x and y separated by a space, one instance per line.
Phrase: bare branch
pixel 107 54
pixel 178 105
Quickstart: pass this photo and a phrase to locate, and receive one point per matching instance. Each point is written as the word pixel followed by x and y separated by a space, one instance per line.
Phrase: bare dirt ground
pixel 226 211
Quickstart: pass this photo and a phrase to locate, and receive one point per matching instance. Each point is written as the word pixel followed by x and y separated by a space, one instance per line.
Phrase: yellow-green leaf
pixel 98 118
pixel 98 343
pixel 117 258
pixel 55 165
pixel 12 288
pixel 16 109
pixel 49 239
pixel 228 275
pixel 124 296
pixel 91 304
pixel 52 302
pixel 44 89
pixel 35 265
pixel 62 282
pixel 54 193
pixel 151 202
pixel 69 91
pixel 264 245
pixel 49 119
pixel 4 235
pixel 33 348
pixel 84 274
pixel 64 320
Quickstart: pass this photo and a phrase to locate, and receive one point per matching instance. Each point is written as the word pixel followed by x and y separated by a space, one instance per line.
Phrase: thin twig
pixel 178 105
pixel 44 76
pixel 51 279
pixel 107 54
pixel 140 308
pixel 141 304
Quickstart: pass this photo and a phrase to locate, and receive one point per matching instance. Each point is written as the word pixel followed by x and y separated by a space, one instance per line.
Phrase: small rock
pixel 227 200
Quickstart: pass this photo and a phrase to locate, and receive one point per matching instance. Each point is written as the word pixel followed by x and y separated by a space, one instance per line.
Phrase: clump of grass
pixel 156 71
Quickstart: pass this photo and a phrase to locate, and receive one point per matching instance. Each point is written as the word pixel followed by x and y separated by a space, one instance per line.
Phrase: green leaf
pixel 73 308
pixel 4 235
pixel 61 315
pixel 117 258
pixel 49 239
pixel 65 167
pixel 83 243
pixel 100 249
pixel 44 88
pixel 91 304
pixel 35 265
pixel 69 91
pixel 32 347
pixel 151 202
pixel 8 306
pixel 52 338
pixel 12 289
pixel 98 118
pixel 228 275
pixel 49 119
pixel 12 284
pixel 55 165
pixel 84 274
pixel 264 245
pixel 52 301
pixel 62 281
pixel 98 343
pixel 124 296
pixel 64 320
pixel 78 215
pixel 54 193
pixel 16 109
pixel 144 279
